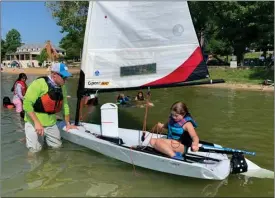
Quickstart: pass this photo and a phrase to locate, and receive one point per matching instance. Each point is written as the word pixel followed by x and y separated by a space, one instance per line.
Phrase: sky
pixel 33 20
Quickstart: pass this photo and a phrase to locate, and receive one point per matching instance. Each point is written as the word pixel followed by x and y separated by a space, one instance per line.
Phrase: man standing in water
pixel 44 98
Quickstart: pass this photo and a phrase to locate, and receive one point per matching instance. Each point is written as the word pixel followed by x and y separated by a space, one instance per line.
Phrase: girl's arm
pixel 19 91
pixel 195 138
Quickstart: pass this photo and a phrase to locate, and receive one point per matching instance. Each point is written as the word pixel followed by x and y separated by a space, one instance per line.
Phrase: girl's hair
pixel 21 76
pixel 119 97
pixel 180 108
pixel 6 100
pixel 142 97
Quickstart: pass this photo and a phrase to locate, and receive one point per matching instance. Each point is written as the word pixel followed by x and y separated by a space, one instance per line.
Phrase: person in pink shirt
pixel 19 89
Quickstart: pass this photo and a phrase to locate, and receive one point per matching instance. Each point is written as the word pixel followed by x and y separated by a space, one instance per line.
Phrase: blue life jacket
pixel 123 100
pixel 175 130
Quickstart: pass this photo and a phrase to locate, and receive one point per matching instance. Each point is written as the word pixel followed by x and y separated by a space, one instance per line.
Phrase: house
pixel 25 55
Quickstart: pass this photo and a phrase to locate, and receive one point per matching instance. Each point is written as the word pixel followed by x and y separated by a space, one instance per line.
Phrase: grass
pixel 240 75
pixel 248 55
pixel 252 54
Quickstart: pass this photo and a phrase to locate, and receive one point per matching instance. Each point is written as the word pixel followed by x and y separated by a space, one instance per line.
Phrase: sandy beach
pixel 36 71
pixel 76 70
pixel 251 87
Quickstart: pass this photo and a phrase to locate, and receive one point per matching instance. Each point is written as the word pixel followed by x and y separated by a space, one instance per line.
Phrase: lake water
pixel 232 118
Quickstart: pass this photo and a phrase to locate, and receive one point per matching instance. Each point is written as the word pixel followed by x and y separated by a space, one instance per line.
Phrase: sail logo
pixel 178 30
pixel 103 83
pixel 97 73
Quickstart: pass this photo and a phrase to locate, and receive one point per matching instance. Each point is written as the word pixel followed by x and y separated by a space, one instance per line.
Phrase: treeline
pixel 223 27
pixel 10 44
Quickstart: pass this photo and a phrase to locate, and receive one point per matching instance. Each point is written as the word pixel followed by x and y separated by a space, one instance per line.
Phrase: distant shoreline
pixel 252 87
pixel 36 71
pixel 76 71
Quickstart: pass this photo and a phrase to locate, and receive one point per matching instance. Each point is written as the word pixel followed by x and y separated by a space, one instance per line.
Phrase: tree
pixel 13 40
pixel 72 47
pixel 241 23
pixel 3 49
pixel 42 57
pixel 71 16
pixel 201 16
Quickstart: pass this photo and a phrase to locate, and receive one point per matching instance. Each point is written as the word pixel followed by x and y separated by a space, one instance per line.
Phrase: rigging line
pixel 155 128
pixel 146 113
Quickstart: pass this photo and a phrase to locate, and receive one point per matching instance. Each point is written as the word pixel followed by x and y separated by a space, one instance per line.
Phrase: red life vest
pixel 23 85
pixel 9 106
pixel 51 102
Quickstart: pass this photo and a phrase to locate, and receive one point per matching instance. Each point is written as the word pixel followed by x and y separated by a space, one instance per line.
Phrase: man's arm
pixel 66 109
pixel 32 94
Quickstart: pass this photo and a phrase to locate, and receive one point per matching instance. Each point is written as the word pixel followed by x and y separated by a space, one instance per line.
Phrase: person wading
pixel 44 98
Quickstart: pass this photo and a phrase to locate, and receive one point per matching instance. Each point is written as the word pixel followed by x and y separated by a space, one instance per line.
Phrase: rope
pixel 132 147
pixel 145 115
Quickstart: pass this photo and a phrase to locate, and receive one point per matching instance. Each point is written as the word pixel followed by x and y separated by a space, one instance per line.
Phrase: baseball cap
pixel 61 69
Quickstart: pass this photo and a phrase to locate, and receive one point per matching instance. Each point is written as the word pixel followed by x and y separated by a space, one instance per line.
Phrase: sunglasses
pixel 63 77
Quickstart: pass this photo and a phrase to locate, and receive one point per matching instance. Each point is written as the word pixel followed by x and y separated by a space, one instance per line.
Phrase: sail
pixel 140 43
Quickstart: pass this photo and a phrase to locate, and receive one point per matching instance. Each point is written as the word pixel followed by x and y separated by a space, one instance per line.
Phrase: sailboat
pixel 130 45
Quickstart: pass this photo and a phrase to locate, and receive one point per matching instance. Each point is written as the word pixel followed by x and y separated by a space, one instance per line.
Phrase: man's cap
pixel 61 69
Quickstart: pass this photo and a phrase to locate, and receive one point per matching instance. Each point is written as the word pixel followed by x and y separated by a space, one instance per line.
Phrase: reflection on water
pixel 228 117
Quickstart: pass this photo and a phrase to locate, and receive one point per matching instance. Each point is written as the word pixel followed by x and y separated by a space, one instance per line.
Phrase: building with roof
pixel 26 55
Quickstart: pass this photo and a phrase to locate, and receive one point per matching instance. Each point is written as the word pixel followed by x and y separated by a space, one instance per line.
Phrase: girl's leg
pixel 163 145
pixel 166 146
pixel 18 105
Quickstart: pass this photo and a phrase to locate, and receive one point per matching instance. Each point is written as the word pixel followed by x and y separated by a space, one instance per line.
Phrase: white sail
pixel 139 43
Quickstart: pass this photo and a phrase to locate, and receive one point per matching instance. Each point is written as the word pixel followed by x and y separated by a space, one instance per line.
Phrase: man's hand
pixel 69 126
pixel 39 128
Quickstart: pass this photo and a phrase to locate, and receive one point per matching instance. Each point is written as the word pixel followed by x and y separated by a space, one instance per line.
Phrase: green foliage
pixel 3 49
pixel 73 45
pixel 224 27
pixel 233 26
pixel 242 23
pixel 71 16
pixel 250 76
pixel 42 57
pixel 13 40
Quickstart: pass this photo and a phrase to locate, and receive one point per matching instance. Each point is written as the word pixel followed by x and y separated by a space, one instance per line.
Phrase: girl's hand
pixel 195 147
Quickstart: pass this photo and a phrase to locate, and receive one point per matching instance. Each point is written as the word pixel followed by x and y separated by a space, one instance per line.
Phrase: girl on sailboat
pixel 19 89
pixel 179 124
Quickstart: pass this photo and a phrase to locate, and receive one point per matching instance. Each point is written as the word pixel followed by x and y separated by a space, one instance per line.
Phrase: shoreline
pixel 36 71
pixel 239 86
pixel 76 71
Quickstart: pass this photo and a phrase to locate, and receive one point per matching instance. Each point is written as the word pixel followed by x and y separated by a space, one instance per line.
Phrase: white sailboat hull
pixel 86 136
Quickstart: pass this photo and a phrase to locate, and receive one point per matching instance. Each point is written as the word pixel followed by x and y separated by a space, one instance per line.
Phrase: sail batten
pixel 136 44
